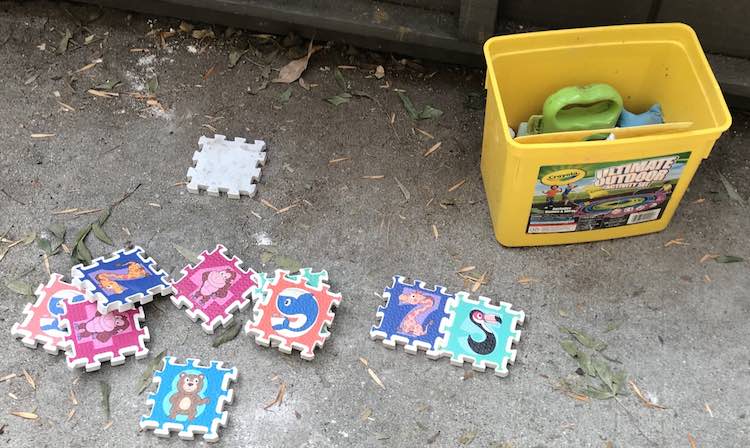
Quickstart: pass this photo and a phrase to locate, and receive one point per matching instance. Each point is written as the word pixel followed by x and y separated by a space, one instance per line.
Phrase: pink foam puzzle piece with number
pixel 95 337
pixel 41 324
pixel 214 288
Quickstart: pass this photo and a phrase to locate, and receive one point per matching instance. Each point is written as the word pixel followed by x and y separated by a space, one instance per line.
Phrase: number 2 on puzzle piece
pixel 121 281
pixel 412 316
pixel 190 399
pixel 293 314
pixel 94 337
pixel 42 322
pixel 214 288
pixel 481 333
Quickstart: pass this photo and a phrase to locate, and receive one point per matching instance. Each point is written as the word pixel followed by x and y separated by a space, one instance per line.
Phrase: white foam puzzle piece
pixel 231 166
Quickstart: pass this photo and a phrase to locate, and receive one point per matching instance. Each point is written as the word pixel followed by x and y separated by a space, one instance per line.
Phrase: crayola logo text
pixel 563 177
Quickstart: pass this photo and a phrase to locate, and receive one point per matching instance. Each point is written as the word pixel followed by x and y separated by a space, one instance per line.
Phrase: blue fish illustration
pixel 298 314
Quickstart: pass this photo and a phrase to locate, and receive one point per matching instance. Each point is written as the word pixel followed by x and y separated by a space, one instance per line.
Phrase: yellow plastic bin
pixel 625 187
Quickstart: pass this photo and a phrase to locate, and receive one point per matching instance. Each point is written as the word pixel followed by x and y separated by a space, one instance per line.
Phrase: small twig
pixel 125 196
pixel 11 197
pixel 633 421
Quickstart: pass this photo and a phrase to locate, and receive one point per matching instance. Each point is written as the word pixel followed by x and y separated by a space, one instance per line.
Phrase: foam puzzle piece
pixel 225 165
pixel 481 333
pixel 95 337
pixel 311 278
pixel 41 324
pixel 190 399
pixel 121 281
pixel 413 315
pixel 213 289
pixel 293 315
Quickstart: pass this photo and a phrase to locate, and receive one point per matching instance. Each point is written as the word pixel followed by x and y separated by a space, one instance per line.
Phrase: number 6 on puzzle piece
pixel 481 333
pixel 190 399
pixel 413 316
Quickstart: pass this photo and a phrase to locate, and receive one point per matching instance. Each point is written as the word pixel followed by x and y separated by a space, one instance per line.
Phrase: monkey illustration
pixel 103 327
pixel 215 284
pixel 186 400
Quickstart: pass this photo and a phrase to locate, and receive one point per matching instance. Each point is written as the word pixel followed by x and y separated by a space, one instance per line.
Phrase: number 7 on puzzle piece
pixel 412 316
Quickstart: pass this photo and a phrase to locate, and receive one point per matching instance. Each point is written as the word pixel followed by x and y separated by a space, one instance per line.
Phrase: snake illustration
pixel 480 319
pixel 298 313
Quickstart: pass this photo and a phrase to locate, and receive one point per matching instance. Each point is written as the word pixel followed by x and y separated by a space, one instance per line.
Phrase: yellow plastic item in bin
pixel 572 192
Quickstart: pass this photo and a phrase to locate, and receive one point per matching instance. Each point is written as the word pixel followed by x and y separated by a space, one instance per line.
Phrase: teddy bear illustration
pixel 186 400
pixel 103 327
pixel 215 284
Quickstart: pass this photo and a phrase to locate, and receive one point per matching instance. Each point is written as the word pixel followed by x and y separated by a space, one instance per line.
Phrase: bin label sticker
pixel 576 198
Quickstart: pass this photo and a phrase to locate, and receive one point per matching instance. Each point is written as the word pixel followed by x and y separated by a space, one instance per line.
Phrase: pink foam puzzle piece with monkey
pixel 95 337
pixel 214 288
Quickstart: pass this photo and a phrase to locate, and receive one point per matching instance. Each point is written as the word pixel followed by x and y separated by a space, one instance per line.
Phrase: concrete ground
pixel 677 325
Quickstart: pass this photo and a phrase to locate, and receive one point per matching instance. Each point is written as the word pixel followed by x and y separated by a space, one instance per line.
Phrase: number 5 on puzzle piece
pixel 121 281
pixel 190 399
pixel 412 316
pixel 213 289
pixel 481 333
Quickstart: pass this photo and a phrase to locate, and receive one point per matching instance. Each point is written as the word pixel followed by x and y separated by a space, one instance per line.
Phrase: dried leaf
pixel 186 27
pixel 379 72
pixel 731 191
pixel 432 149
pixel 403 189
pixel 203 34
pixel 294 69
pixel 82 253
pixel 189 255
pixel 728 259
pixel 62 47
pixel 20 287
pixel 148 374
pixel 28 239
pixel 287 263
pixel 597 394
pixel 339 99
pixel 235 55
pixel 430 112
pixel 107 85
pixel 105 389
pixel 585 339
pixel 103 94
pixel 340 80
pixel 29 379
pixel 152 85
pixel 285 95
pixel 570 347
pixel 408 105
pixel 365 414
pixel 457 186
pixel 100 234
pixel 58 230
pixel 227 335
pixel 375 378
pixel 279 397
pixel 361 94
pixel 467 437
pixel 26 415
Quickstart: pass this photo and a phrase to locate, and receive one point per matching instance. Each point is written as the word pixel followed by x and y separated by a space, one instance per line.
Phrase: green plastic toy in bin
pixel 577 108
